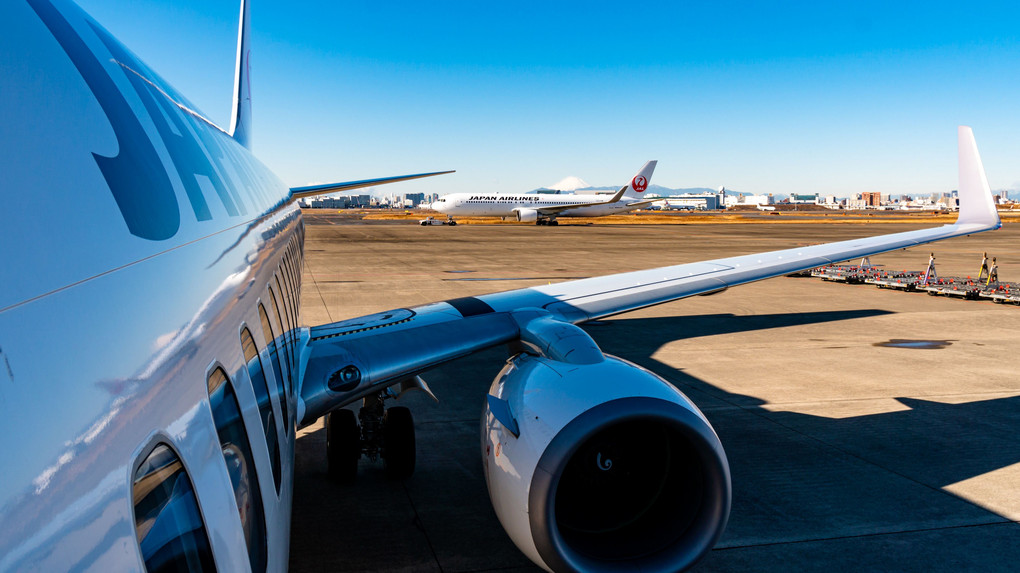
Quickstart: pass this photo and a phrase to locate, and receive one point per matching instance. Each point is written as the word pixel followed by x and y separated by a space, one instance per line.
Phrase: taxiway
pixel 846 455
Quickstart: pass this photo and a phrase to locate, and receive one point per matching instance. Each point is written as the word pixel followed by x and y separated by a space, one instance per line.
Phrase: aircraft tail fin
pixel 240 117
pixel 639 183
pixel 976 204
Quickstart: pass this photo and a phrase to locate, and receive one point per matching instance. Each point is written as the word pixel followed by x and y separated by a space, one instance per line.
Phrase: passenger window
pixel 294 283
pixel 289 329
pixel 169 526
pixel 262 393
pixel 283 335
pixel 286 311
pixel 274 359
pixel 240 466
pixel 288 294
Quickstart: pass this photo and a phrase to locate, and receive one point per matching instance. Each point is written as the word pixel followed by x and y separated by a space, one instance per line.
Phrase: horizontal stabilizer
pixel 312 190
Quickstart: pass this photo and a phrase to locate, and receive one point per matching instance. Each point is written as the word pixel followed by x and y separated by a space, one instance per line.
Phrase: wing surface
pixel 435 333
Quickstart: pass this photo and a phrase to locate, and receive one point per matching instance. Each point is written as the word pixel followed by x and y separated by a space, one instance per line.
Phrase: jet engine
pixel 596 464
pixel 526 215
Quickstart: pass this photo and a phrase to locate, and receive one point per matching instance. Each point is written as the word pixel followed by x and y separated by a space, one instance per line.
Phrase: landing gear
pixel 343 445
pixel 398 443
pixel 386 433
pixel 552 222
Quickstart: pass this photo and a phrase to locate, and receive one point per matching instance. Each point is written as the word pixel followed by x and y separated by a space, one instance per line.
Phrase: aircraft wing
pixel 350 359
pixel 312 190
pixel 559 209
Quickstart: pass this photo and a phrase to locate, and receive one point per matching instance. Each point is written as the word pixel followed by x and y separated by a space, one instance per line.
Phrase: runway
pixel 846 455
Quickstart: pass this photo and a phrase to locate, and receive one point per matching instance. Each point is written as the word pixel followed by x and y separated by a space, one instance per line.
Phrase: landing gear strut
pixel 385 433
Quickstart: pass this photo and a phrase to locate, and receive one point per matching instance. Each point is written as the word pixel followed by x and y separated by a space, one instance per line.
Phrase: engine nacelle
pixel 526 215
pixel 602 467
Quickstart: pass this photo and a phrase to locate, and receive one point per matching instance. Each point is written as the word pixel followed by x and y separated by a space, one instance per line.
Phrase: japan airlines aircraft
pixel 153 370
pixel 543 209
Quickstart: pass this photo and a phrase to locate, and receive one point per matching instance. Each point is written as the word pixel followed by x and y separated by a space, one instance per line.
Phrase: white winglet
pixel 976 203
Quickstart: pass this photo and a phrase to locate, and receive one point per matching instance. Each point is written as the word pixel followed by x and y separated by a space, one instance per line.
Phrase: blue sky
pixel 780 97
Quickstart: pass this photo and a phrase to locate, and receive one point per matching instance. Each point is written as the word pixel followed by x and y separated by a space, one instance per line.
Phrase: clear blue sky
pixel 760 97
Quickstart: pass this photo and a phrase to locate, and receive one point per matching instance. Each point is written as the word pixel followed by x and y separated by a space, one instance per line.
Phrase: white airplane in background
pixel 544 208
pixel 153 371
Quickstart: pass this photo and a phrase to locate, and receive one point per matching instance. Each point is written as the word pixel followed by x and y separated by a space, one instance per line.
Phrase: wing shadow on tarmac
pixel 865 492
pixel 799 477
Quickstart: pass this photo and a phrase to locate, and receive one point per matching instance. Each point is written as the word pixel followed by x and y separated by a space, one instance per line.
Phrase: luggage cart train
pixel 985 286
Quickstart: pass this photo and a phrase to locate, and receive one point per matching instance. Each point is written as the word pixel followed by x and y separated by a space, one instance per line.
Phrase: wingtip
pixel 976 203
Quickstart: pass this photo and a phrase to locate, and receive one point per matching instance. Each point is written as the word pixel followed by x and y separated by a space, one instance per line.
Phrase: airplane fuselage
pixel 478 205
pixel 143 248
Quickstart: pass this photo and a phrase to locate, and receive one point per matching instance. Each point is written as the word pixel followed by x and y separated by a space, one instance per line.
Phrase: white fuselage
pixel 479 205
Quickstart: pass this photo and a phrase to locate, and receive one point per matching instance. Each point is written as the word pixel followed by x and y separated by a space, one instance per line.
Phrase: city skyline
pixel 795 98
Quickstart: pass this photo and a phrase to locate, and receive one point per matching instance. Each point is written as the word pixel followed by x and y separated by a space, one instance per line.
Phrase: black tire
pixel 453 223
pixel 398 442
pixel 343 446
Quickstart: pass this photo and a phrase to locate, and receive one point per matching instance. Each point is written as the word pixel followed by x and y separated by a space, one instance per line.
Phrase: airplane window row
pixel 169 526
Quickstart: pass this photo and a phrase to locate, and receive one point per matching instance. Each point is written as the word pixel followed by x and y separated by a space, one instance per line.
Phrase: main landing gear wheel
pixel 343 445
pixel 398 442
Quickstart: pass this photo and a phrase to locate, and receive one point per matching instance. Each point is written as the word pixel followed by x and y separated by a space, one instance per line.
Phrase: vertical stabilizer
pixel 240 117
pixel 976 203
pixel 640 182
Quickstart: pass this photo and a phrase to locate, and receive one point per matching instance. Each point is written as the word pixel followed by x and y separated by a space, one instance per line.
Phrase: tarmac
pixel 866 429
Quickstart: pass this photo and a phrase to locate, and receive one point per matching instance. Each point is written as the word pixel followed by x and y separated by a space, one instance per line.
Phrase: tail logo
pixel 639 183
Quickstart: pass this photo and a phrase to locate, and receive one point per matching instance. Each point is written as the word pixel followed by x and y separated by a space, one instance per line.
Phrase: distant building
pixel 329 203
pixel 871 199
pixel 797 199
pixel 692 201
pixel 759 200
pixel 832 202
pixel 413 199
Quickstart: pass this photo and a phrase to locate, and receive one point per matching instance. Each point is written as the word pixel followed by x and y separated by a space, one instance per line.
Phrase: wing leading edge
pixel 436 333
pixel 312 190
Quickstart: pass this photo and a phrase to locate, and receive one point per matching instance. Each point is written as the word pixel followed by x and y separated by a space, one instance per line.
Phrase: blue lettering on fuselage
pixel 136 177
pixel 189 159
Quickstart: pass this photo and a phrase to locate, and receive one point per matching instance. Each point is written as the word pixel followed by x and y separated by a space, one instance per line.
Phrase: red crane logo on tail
pixel 639 183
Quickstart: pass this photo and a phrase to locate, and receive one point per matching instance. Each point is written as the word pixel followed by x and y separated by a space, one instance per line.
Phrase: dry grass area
pixel 689 218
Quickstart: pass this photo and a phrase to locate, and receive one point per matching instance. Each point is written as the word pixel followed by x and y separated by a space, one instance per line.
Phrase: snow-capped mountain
pixel 569 184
